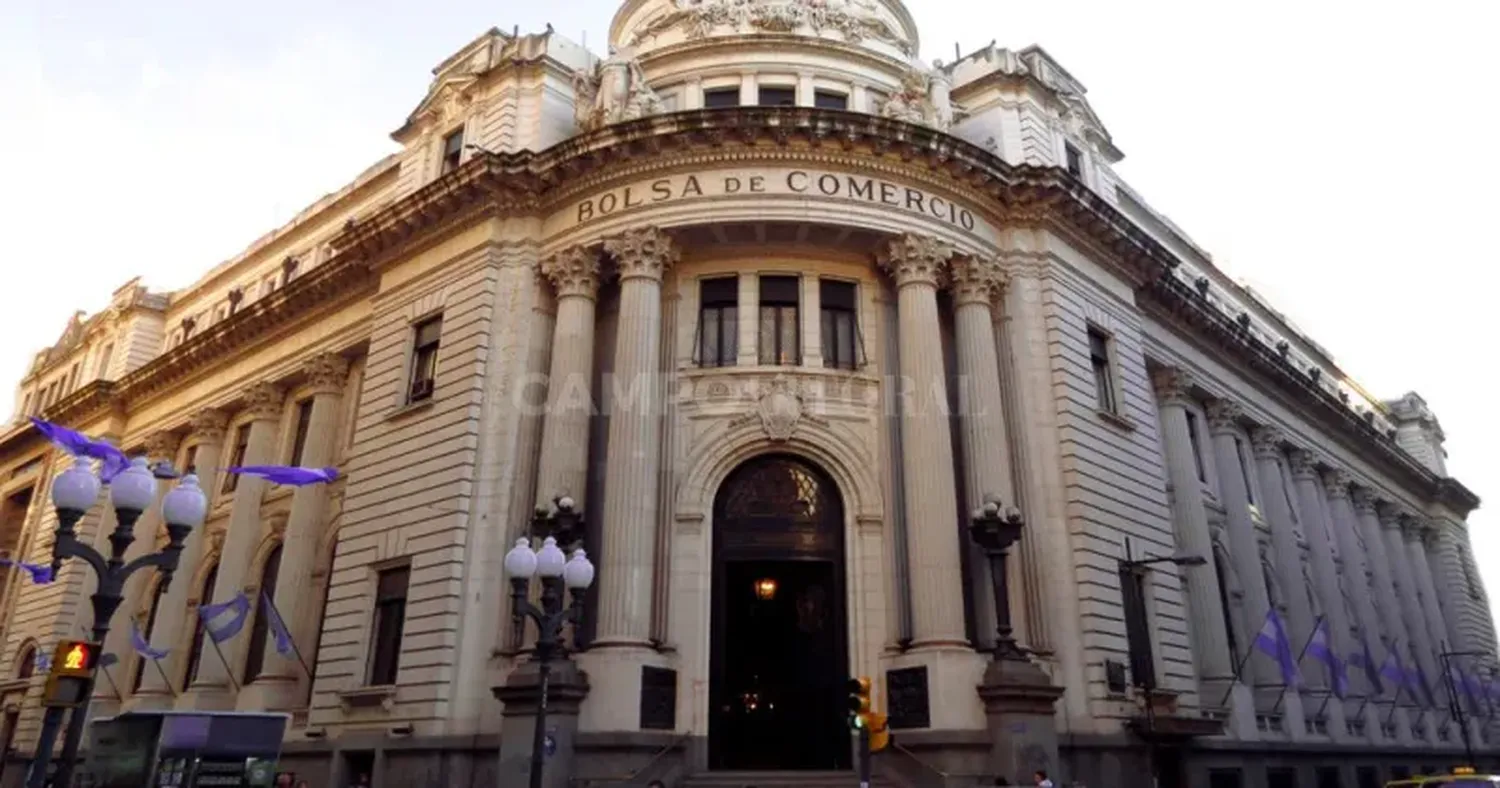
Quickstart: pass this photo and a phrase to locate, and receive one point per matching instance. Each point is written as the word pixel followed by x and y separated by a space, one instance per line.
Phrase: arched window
pixel 26 661
pixel 195 653
pixel 255 661
pixel 147 632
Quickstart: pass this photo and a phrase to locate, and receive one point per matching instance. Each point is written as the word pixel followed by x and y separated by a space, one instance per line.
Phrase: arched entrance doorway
pixel 779 651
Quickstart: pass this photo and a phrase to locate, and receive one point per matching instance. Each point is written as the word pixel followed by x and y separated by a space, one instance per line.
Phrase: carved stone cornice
pixel 264 401
pixel 975 281
pixel 1363 501
pixel 1337 483
pixel 208 425
pixel 1265 443
pixel 1223 415
pixel 643 253
pixel 327 373
pixel 573 272
pixel 1302 464
pixel 915 259
pixel 1173 385
pixel 163 445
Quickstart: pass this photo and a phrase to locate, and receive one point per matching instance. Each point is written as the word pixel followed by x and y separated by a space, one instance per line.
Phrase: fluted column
pixel 1415 532
pixel 296 596
pixel 1244 547
pixel 1266 445
pixel 976 283
pixel 1360 566
pixel 263 404
pixel 1210 631
pixel 917 265
pixel 563 470
pixel 1408 596
pixel 207 433
pixel 1327 573
pixel 1388 608
pixel 626 563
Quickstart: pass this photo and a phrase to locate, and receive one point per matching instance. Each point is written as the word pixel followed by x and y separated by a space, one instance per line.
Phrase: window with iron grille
pixel 780 332
pixel 842 347
pixel 718 321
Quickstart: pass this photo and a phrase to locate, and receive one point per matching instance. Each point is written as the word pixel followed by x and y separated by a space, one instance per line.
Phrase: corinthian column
pixel 1327 572
pixel 1404 581
pixel 263 404
pixel 296 596
pixel 1211 656
pixel 982 414
pixel 1266 445
pixel 1414 531
pixel 574 273
pixel 207 433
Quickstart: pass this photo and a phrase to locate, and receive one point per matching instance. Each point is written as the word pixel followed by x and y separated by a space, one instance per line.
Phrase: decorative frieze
pixel 1173 385
pixel 854 20
pixel 644 253
pixel 574 272
pixel 912 259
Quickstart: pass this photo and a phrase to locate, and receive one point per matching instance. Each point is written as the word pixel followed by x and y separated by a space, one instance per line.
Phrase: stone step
pixel 780 780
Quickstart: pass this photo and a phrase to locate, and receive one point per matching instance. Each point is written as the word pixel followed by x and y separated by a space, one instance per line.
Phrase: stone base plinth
pixel 1019 700
pixel 567 686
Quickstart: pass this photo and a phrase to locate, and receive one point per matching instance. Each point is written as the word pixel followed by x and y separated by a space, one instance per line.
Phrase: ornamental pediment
pixel 853 21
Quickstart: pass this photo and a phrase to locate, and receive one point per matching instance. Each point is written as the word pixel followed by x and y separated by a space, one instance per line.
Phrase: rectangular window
pixel 828 99
pixel 299 438
pixel 1075 160
pixel 73 375
pixel 26 405
pixel 1367 777
pixel 718 321
pixel 1137 627
pixel 840 327
pixel 237 457
pixel 1224 778
pixel 453 151
pixel 1281 778
pixel 109 350
pixel 190 461
pixel 424 359
pixel 1328 777
pixel 1239 454
pixel 780 335
pixel 1101 359
pixel 390 619
pixel 721 97
pixel 1192 420
pixel 777 97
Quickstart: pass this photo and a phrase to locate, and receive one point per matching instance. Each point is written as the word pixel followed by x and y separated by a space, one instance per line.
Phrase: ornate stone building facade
pixel 777 305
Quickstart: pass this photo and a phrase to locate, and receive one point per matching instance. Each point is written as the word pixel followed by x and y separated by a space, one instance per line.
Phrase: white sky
pixel 1330 153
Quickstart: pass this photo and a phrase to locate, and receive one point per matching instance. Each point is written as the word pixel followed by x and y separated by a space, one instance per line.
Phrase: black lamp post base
pixel 1019 699
pixel 567 686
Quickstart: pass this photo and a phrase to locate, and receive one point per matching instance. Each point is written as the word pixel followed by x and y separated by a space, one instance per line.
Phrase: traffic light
pixel 880 732
pixel 859 702
pixel 73 665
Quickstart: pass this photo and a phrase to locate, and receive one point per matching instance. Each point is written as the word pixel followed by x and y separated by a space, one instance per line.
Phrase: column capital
pixel 1337 482
pixel 1223 415
pixel 1266 442
pixel 163 445
pixel 975 281
pixel 914 259
pixel 1389 514
pixel 643 253
pixel 1414 529
pixel 263 401
pixel 326 373
pixel 1173 385
pixel 208 425
pixel 1363 500
pixel 573 272
pixel 1303 464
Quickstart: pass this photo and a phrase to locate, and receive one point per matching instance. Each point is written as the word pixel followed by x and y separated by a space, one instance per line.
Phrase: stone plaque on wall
pixel 906 696
pixel 658 699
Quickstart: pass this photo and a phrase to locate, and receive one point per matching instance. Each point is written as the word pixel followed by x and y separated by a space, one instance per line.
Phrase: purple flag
pixel 40 574
pixel 1419 677
pixel 1366 660
pixel 1273 642
pixel 288 475
pixel 278 628
pixel 143 646
pixel 112 460
pixel 1393 670
pixel 238 609
pixel 1320 649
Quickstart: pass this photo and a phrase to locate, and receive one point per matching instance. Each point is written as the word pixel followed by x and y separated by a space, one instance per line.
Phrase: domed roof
pixel 883 25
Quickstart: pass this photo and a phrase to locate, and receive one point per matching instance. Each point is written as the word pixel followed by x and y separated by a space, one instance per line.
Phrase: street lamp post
pixel 995 531
pixel 131 493
pixel 1131 566
pixel 555 571
pixel 1457 707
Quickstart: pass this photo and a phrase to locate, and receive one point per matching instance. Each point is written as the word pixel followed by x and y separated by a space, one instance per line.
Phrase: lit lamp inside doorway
pixel 765 589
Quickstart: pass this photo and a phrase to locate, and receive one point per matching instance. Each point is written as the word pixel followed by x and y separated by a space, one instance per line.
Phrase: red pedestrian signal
pixel 72 674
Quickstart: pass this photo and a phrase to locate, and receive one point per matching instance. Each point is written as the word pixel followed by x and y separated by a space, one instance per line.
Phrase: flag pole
pixel 1238 669
pixel 228 671
pixel 1316 623
pixel 159 669
pixel 112 685
pixel 291 641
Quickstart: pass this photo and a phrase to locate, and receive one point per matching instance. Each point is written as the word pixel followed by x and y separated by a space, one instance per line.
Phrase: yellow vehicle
pixel 1462 777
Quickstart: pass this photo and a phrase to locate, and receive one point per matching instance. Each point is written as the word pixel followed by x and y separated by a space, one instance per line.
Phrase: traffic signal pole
pixel 864 757
pixel 36 777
